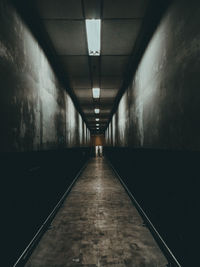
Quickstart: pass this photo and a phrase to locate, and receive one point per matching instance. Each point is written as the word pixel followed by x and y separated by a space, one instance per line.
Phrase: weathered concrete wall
pixel 36 113
pixel 37 121
pixel 152 136
pixel 161 107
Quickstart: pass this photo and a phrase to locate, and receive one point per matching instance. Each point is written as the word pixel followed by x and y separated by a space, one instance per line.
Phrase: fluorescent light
pixel 97 124
pixel 97 119
pixel 96 92
pixel 97 128
pixel 96 110
pixel 93 29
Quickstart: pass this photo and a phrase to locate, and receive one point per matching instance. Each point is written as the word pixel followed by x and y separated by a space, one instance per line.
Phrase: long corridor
pixel 97 226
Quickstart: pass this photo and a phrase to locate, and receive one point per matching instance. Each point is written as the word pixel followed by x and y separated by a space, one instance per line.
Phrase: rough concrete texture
pixel 161 107
pixel 36 113
pixel 97 226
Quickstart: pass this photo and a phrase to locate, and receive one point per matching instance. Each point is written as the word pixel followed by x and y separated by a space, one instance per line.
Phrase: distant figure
pixel 99 152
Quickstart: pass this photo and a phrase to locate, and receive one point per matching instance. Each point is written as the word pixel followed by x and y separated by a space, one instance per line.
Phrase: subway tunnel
pixel 100 133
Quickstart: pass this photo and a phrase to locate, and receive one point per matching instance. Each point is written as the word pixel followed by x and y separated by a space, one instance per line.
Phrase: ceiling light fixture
pixel 97 124
pixel 96 92
pixel 97 119
pixel 97 128
pixel 96 110
pixel 93 29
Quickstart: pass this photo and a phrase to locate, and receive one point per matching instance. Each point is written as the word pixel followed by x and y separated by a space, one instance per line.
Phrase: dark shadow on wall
pixel 166 185
pixel 31 185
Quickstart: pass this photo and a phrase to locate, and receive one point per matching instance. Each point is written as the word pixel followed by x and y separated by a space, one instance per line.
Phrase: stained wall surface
pixel 43 140
pixel 161 106
pixel 36 111
pixel 153 139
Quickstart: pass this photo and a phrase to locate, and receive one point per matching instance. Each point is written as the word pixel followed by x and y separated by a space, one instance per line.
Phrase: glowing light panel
pixel 93 29
pixel 96 92
pixel 96 110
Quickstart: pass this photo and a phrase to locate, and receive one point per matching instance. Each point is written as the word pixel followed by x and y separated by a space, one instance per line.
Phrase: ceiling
pixel 64 22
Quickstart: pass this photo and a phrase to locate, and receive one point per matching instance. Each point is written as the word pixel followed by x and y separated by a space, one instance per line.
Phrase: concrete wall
pixel 46 138
pixel 153 139
pixel 36 113
pixel 160 109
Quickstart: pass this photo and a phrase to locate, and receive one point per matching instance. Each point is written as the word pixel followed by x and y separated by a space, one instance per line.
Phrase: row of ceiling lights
pixel 96 110
pixel 93 29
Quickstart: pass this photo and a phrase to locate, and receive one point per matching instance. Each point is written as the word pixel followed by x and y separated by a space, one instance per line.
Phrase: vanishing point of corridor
pixel 97 226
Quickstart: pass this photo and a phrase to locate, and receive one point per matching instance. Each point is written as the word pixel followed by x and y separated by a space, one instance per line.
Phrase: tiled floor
pixel 97 226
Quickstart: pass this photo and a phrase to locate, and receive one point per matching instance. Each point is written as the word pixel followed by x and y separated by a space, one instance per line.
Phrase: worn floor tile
pixel 97 226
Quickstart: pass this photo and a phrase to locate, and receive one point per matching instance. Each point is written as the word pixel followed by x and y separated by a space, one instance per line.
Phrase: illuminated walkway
pixel 97 226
